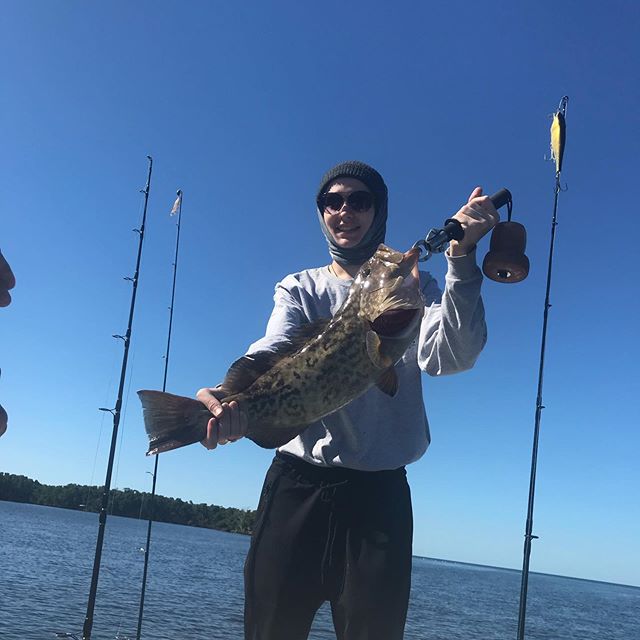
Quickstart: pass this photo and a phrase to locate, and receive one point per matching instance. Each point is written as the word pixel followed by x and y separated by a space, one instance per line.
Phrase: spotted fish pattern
pixel 326 365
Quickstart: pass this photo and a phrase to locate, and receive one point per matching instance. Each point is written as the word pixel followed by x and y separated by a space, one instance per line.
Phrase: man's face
pixel 346 225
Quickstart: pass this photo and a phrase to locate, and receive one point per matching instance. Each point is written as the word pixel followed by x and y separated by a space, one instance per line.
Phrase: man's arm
pixel 453 330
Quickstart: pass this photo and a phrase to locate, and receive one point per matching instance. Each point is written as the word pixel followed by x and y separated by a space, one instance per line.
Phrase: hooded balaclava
pixel 376 233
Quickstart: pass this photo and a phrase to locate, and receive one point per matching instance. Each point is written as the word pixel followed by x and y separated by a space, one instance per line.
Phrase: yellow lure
pixel 558 135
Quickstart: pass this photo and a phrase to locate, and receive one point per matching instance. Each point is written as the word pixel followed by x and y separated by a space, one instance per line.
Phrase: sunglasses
pixel 358 201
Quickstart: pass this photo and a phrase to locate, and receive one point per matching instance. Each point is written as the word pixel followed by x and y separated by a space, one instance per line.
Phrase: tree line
pixel 126 502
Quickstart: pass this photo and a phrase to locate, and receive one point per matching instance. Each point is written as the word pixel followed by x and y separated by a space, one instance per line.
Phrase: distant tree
pixel 130 503
pixel 17 488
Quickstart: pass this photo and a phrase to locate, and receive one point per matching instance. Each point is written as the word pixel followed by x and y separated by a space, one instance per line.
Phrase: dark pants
pixel 329 534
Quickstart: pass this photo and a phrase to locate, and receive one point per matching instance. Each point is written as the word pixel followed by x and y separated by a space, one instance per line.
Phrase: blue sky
pixel 244 106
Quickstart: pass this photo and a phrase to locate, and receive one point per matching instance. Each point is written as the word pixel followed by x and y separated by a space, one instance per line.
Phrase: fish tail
pixel 172 421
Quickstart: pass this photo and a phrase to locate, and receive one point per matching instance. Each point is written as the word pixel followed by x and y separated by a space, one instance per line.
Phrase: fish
pixel 323 367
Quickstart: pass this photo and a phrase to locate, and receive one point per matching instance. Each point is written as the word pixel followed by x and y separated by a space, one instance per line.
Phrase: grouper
pixel 324 366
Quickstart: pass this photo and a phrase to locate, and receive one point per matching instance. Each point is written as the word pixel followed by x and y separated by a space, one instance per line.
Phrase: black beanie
pixel 376 233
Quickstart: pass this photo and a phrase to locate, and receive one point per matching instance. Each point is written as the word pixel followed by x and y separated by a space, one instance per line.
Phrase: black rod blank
pixel 528 536
pixel 164 388
pixel 88 622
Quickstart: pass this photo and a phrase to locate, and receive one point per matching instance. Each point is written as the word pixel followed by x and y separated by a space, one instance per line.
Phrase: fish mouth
pixel 407 273
pixel 394 322
pixel 410 261
pixel 403 301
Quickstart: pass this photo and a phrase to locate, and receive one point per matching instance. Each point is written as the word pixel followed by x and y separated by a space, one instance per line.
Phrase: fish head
pixel 387 287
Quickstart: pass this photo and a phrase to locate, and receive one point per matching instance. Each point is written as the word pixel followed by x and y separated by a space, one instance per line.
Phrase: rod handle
pixel 500 198
pixel 453 229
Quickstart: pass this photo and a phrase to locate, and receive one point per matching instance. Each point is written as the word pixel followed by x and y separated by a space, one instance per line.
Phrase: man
pixel 334 519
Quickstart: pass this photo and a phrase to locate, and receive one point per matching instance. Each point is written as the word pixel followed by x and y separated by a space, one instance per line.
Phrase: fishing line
pixel 126 605
pixel 116 412
pixel 142 499
pixel 107 393
pixel 124 422
pixel 176 209
pixel 102 417
pixel 558 138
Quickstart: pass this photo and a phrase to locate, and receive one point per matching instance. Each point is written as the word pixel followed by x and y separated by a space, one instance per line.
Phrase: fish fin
pixel 172 421
pixel 388 382
pixel 300 336
pixel 246 370
pixel 374 350
pixel 273 438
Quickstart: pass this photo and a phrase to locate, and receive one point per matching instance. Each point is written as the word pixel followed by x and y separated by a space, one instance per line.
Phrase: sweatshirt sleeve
pixel 453 330
pixel 287 315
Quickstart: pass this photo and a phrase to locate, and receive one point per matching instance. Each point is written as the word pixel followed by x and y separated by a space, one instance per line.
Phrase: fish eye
pixel 366 272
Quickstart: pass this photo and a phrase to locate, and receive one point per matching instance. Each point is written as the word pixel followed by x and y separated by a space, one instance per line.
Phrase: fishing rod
pixel 177 208
pixel 126 339
pixel 558 137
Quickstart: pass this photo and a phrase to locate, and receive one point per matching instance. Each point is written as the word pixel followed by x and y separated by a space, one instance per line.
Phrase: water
pixel 194 590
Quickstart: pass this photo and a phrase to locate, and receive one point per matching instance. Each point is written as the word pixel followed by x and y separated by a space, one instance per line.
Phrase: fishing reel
pixel 506 261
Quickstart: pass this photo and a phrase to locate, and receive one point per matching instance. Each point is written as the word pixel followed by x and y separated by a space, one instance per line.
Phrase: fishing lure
pixel 558 134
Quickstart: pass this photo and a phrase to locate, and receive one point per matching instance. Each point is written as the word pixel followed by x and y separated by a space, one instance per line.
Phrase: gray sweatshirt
pixel 376 432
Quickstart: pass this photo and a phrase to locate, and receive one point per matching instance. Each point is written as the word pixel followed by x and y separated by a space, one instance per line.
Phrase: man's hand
pixel 477 218
pixel 228 424
pixel 7 281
